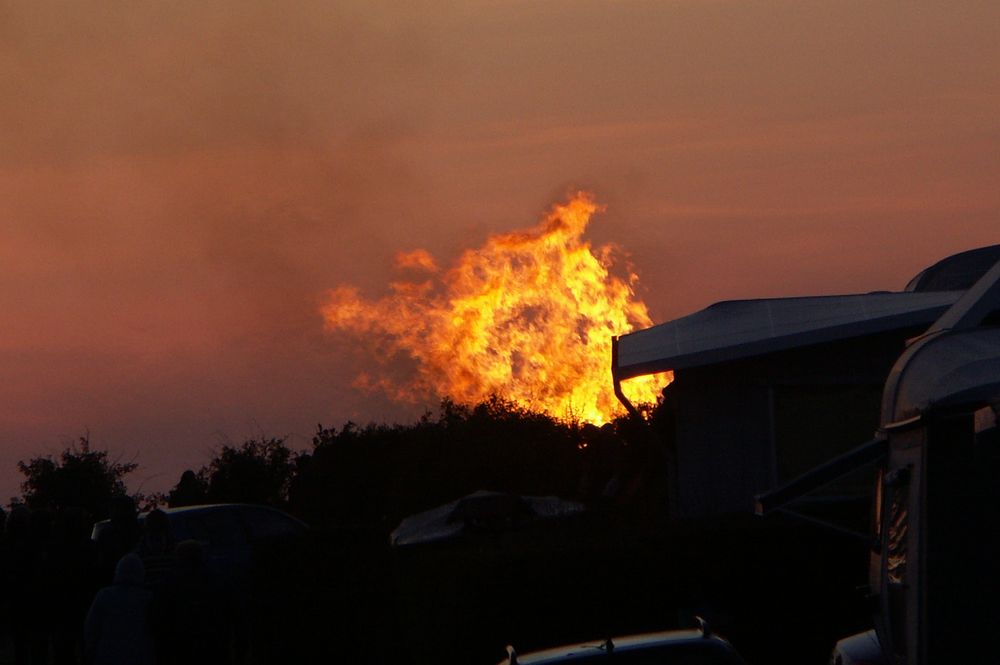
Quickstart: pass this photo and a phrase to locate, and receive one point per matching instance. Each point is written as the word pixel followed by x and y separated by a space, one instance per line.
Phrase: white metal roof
pixel 956 361
pixel 746 328
pixel 950 367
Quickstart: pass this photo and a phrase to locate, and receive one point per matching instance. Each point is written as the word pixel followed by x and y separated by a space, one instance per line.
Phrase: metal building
pixel 767 389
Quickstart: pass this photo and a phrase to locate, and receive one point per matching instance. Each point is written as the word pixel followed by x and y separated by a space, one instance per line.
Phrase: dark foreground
pixel 781 593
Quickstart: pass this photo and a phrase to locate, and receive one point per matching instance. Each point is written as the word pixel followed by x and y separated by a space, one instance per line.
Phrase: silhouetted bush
pixel 258 471
pixel 373 476
pixel 80 477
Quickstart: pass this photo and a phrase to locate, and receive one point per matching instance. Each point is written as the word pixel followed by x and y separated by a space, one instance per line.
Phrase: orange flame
pixel 529 317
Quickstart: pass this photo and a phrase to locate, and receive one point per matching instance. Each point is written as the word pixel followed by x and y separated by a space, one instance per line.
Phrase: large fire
pixel 529 316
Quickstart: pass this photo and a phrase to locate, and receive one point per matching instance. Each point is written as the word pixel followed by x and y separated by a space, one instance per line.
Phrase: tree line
pixel 372 476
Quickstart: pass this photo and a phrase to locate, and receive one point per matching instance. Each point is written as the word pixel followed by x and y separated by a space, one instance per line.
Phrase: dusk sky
pixel 181 183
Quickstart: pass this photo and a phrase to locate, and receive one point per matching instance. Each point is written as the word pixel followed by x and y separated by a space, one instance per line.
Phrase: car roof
pixel 208 507
pixel 221 507
pixel 619 645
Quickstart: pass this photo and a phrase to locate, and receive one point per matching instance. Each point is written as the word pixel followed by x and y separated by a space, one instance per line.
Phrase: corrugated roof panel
pixel 746 328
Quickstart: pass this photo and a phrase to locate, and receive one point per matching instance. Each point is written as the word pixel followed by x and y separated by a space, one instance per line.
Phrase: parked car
pixel 481 511
pixel 230 532
pixel 672 647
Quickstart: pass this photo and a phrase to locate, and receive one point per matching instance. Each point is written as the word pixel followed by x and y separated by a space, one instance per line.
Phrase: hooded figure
pixel 119 538
pixel 117 628
pixel 156 549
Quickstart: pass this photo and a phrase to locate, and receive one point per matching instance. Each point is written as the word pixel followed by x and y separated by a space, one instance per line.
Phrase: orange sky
pixel 180 182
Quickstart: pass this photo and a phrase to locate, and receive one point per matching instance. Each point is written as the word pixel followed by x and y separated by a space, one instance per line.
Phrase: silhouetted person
pixel 4 591
pixel 74 558
pixel 616 489
pixel 195 623
pixel 119 537
pixel 189 491
pixel 25 599
pixel 156 549
pixel 117 630
pixel 45 594
pixel 664 423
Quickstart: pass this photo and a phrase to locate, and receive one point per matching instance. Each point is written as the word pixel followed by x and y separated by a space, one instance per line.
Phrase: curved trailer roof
pixel 956 361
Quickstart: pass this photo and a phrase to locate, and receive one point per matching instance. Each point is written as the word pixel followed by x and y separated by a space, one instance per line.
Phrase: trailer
pixel 935 539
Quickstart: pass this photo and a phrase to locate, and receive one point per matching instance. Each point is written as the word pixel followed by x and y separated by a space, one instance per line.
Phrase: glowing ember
pixel 529 317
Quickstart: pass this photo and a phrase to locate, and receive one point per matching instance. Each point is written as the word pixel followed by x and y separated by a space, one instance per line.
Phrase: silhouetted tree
pixel 373 476
pixel 258 471
pixel 80 477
